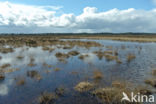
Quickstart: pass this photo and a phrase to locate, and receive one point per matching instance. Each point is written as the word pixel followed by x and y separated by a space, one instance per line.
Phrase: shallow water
pixel 135 71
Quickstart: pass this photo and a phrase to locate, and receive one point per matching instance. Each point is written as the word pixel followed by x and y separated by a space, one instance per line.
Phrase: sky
pixel 76 16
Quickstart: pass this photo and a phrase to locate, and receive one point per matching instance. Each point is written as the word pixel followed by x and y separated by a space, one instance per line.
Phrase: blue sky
pixel 76 6
pixel 33 16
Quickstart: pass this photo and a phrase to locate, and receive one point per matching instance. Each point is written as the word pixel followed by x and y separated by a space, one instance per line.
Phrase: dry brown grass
pixel 97 75
pixel 34 74
pixel 113 95
pixel 108 95
pixel 99 54
pixel 45 48
pixel 6 50
pixel 5 65
pixel 10 70
pixel 154 72
pixel 20 57
pixel 20 82
pixel 82 57
pixel 110 57
pixel 2 76
pixel 118 61
pixel 83 86
pixel 61 55
pixel 130 57
pixel 31 63
pixel 73 53
pixel 47 98
pixel 47 65
pixel 151 82
pixel 57 69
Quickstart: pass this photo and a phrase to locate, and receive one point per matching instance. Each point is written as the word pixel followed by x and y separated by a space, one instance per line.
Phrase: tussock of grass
pixel 31 63
pixel 97 75
pixel 34 74
pixel 151 82
pixel 5 66
pixel 99 54
pixel 2 76
pixel 118 61
pixel 108 95
pixel 130 57
pixel 57 69
pixel 82 57
pixel 62 60
pixel 67 47
pixel 20 82
pixel 47 65
pixel 113 95
pixel 108 52
pixel 6 50
pixel 47 98
pixel 83 86
pixel 48 49
pixel 118 84
pixel 73 53
pixel 61 55
pixel 10 70
pixel 60 91
pixel 110 57
pixel 109 47
pixel 154 72
pixel 20 57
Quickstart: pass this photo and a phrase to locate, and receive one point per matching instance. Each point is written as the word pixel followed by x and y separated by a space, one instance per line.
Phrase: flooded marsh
pixel 43 70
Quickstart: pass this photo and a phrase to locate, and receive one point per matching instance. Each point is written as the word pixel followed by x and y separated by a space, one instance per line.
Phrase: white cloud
pixel 31 19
